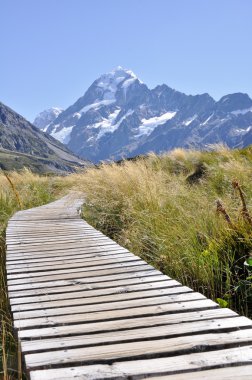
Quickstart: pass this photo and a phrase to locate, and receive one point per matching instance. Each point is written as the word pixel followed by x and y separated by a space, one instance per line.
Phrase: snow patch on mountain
pixel 242 131
pixel 207 120
pixel 241 112
pixel 63 135
pixel 114 127
pixel 109 124
pixel 190 120
pixel 128 82
pixel 77 115
pixel 98 104
pixel 148 125
pixel 106 125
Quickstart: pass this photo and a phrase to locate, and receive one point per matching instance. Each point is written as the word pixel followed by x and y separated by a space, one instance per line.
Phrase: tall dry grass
pixel 150 207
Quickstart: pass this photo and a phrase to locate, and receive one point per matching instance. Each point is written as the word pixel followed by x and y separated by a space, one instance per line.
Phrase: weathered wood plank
pixel 18 242
pixel 63 247
pixel 73 268
pixel 92 316
pixel 180 345
pixel 50 257
pixel 71 263
pixel 227 373
pixel 123 304
pixel 82 273
pixel 170 284
pixel 214 325
pixel 131 274
pixel 127 323
pixel 136 368
pixel 148 277
pixel 48 230
pixel 27 236
pixel 116 297
pixel 50 244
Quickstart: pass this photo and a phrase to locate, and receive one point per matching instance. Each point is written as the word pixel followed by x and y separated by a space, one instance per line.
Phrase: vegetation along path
pixel 86 308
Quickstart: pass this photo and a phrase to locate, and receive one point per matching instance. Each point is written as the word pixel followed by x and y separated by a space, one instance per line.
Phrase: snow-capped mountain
pixel 45 118
pixel 119 116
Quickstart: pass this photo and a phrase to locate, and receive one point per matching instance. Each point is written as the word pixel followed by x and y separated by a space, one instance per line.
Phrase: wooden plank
pixel 82 300
pixel 215 325
pixel 131 274
pixel 43 229
pixel 92 316
pixel 137 368
pixel 89 261
pixel 63 246
pixel 46 226
pixel 69 254
pixel 142 349
pixel 41 235
pixel 123 304
pixel 82 273
pixel 75 267
pixel 21 241
pixel 237 372
pixel 112 284
pixel 126 323
pixel 56 224
pixel 170 284
pixel 28 236
pixel 17 243
pixel 49 245
pixel 227 373
pixel 66 218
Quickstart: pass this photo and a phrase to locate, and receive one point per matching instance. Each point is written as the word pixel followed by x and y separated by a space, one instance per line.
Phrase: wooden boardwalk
pixel 86 308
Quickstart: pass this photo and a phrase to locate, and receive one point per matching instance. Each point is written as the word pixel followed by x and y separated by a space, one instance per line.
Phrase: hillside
pixel 22 144
pixel 119 116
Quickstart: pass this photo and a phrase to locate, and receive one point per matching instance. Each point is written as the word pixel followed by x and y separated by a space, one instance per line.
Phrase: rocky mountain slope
pixel 119 116
pixel 21 143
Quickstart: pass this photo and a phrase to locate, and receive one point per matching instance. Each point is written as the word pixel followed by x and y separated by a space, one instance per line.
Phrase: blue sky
pixel 52 50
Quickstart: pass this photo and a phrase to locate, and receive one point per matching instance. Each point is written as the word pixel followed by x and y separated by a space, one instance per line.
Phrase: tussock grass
pixel 18 191
pixel 150 207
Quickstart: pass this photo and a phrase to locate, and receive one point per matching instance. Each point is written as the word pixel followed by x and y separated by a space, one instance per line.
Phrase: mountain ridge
pixel 21 143
pixel 119 116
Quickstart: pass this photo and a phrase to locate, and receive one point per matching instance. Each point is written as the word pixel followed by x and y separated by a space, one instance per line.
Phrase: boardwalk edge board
pixel 86 308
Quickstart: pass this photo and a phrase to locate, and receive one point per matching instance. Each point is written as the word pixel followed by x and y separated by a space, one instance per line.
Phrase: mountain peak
pixel 234 102
pixel 117 76
pixel 46 117
pixel 119 70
